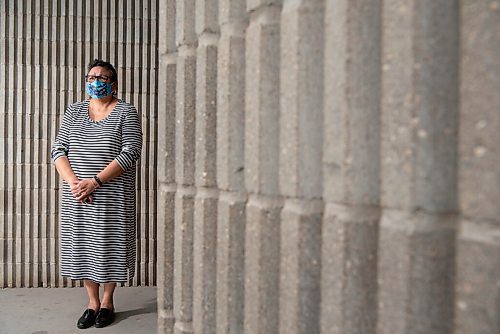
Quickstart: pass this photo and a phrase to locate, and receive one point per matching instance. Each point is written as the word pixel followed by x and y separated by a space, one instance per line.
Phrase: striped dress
pixel 98 239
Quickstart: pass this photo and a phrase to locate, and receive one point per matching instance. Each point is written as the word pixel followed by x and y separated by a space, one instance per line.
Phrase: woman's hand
pixel 82 190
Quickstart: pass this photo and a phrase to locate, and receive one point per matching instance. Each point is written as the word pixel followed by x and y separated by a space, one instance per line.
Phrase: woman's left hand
pixel 84 190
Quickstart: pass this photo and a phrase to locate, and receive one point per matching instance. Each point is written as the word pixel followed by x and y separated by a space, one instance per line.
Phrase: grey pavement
pixel 56 310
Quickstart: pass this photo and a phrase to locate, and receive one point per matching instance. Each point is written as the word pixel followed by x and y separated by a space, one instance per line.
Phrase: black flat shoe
pixel 105 317
pixel 87 319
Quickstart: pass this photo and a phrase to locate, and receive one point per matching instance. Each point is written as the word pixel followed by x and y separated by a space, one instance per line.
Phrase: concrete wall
pixel 45 47
pixel 329 166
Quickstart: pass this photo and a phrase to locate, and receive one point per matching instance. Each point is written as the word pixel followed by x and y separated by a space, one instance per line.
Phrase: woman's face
pixel 101 74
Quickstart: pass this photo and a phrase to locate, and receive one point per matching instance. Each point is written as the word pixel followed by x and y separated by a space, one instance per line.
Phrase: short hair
pixel 106 65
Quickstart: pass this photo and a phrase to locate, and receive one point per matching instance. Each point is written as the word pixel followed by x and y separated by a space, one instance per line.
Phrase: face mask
pixel 98 90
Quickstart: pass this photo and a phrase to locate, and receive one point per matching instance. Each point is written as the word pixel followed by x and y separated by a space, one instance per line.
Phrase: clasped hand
pixel 82 190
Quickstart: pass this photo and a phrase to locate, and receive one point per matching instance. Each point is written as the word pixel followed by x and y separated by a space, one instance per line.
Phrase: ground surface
pixel 47 311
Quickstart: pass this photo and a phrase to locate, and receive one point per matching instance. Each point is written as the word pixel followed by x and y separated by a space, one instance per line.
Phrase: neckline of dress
pixel 87 107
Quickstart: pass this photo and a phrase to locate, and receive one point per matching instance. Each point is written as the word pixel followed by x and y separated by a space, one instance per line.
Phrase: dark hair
pixel 106 65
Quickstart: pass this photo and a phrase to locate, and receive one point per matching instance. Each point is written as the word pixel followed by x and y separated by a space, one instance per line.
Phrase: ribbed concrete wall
pixel 329 166
pixel 45 47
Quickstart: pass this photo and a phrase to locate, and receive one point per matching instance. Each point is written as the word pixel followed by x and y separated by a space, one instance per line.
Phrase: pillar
pixel 205 210
pixel 418 166
pixel 230 166
pixel 166 166
pixel 262 242
pixel 477 308
pixel 351 167
pixel 185 110
pixel 300 172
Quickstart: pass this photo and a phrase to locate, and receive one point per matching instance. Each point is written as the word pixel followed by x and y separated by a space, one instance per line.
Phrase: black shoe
pixel 87 319
pixel 105 317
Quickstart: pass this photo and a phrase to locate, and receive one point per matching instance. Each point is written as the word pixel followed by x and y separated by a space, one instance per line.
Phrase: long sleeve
pixel 60 147
pixel 131 140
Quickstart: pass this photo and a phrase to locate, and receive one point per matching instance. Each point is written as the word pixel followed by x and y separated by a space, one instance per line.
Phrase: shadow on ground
pixel 150 307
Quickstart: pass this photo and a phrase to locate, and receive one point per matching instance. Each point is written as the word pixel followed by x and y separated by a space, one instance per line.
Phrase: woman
pixel 95 153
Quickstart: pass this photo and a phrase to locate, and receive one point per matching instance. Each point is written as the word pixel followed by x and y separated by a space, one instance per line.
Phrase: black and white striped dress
pixel 98 240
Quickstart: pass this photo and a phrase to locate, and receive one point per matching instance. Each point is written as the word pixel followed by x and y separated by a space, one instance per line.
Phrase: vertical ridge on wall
pixel 166 163
pixel 300 157
pixel 45 48
pixel 419 117
pixel 477 303
pixel 185 167
pixel 206 199
pixel 351 167
pixel 3 176
pixel 152 102
pixel 262 235
pixel 230 166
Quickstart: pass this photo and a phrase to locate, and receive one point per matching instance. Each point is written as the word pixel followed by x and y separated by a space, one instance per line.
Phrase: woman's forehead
pixel 99 70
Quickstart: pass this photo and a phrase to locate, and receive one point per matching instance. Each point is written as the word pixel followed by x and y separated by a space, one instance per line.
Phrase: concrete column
pixel 166 166
pixel 351 167
pixel 300 171
pixel 419 197
pixel 478 255
pixel 262 244
pixel 205 216
pixel 230 166
pixel 185 165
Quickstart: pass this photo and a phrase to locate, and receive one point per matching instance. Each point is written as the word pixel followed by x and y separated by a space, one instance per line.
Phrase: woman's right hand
pixel 80 193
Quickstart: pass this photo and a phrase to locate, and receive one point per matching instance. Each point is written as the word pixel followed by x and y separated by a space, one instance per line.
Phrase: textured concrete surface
pixel 231 221
pixel 351 166
pixel 47 311
pixel 477 306
pixel 300 165
pixel 346 153
pixel 419 108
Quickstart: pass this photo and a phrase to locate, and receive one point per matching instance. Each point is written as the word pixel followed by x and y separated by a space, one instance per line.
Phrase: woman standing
pixel 95 153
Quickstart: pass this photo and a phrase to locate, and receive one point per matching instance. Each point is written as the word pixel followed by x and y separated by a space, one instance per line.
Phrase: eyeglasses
pixel 101 78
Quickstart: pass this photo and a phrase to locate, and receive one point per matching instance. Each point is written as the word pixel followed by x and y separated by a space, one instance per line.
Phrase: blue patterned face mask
pixel 98 90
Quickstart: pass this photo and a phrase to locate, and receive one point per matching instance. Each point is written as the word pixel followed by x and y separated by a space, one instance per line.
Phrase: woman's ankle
pixel 94 306
pixel 107 304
